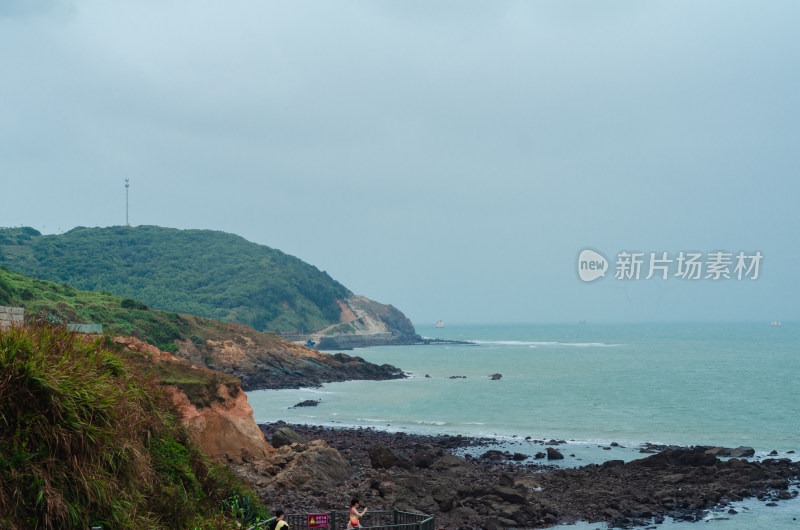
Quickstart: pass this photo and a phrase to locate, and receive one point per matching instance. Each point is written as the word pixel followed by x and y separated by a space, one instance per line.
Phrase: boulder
pixel 495 377
pixel 317 466
pixel 286 436
pixel 554 454
pixel 742 452
pixel 423 458
pixel 493 454
pixel 383 457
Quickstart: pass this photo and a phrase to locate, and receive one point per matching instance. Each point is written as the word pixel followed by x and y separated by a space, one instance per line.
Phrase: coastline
pixel 469 482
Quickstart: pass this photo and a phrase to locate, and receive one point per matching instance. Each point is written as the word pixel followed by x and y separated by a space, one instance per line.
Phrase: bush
pixel 130 303
pixel 86 441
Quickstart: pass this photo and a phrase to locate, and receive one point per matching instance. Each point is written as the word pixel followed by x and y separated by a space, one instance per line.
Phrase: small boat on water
pixel 440 324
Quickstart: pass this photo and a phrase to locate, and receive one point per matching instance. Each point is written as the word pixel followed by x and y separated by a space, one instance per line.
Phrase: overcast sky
pixel 449 158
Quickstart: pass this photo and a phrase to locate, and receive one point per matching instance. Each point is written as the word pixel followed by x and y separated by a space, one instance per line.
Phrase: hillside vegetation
pixel 87 440
pixel 260 360
pixel 50 302
pixel 202 272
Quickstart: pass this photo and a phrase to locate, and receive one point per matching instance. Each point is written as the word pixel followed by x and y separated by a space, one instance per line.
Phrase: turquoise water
pixel 715 384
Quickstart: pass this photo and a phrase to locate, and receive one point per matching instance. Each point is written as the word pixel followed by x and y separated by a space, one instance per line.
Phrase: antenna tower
pixel 126 203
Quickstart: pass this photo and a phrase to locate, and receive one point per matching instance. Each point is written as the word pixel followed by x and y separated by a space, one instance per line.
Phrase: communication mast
pixel 126 203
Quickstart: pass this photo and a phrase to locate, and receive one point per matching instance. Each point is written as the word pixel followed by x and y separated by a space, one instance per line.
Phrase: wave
pixel 374 420
pixel 536 344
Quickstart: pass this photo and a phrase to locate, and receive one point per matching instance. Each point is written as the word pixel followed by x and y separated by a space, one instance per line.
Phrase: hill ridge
pixel 209 273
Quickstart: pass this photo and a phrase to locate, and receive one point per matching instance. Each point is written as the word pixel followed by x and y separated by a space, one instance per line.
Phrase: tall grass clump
pixel 85 440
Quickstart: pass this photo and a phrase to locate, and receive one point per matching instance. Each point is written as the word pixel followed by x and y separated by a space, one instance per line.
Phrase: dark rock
pixel 554 454
pixel 506 480
pixel 493 454
pixel 773 453
pixel 718 451
pixel 423 458
pixel 308 403
pixel 383 457
pixel 495 377
pixel 286 436
pixel 742 452
pixel 511 495
pixel 468 492
pixel 540 455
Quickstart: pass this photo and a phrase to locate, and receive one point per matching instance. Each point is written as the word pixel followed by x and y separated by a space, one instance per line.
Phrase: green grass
pixel 87 439
pixel 50 302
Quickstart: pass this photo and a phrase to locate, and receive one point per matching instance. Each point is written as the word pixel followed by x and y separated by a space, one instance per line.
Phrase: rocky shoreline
pixel 321 468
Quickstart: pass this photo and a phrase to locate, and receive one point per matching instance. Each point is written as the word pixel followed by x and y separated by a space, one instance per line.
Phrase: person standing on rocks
pixel 354 514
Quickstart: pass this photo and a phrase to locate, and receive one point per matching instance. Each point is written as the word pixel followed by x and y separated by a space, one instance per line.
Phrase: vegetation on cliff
pixel 50 302
pixel 202 272
pixel 262 360
pixel 87 439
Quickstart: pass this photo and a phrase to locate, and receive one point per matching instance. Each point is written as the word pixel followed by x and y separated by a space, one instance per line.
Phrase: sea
pixel 591 385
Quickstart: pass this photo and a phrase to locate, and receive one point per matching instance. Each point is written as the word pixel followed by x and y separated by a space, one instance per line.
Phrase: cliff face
pixel 264 360
pixel 365 322
pixel 212 405
pixel 226 430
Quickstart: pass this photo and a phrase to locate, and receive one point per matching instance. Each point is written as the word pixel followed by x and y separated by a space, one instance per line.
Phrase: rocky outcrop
pixel 212 406
pixel 286 436
pixel 226 430
pixel 738 452
pixel 382 457
pixel 365 322
pixel 266 361
pixel 297 466
pixel 495 493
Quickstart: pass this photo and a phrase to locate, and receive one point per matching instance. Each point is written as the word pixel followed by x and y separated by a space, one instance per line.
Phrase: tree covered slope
pixel 203 272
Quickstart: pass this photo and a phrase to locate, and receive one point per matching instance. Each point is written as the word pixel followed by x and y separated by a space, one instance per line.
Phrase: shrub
pixel 86 440
pixel 130 303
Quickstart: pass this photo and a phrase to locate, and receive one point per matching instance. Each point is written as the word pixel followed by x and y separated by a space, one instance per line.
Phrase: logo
pixel 591 265
pixel 718 265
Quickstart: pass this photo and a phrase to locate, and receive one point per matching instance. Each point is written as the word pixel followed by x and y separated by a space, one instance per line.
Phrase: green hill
pixel 202 272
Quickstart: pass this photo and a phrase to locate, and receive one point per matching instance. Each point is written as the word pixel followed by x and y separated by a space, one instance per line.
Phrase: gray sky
pixel 450 158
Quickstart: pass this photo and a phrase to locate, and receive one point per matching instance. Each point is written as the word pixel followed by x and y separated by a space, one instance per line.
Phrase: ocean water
pixel 686 384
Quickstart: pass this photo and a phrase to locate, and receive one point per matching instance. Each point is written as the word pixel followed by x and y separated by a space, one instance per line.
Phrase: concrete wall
pixel 10 316
pixel 86 328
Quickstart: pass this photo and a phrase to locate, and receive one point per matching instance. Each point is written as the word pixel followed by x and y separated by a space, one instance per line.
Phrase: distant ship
pixel 775 323
pixel 440 324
